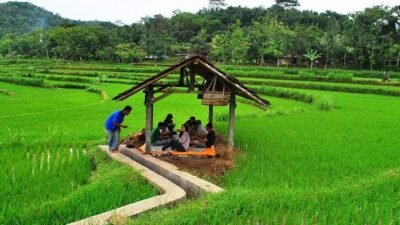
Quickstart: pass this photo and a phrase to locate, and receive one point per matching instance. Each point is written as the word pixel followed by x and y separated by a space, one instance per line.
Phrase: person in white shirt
pixel 181 144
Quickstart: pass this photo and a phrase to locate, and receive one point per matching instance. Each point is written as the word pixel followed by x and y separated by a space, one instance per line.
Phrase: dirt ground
pixel 201 166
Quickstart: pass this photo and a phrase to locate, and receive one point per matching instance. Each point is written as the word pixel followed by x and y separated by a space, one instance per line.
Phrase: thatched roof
pixel 206 70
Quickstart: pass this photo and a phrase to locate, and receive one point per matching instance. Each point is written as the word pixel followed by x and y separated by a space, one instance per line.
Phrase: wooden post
pixel 232 108
pixel 192 79
pixel 152 114
pixel 149 114
pixel 210 113
pixel 181 76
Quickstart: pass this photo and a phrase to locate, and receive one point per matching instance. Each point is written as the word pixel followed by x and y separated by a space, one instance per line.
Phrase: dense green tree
pixel 239 44
pixel 185 26
pixel 157 36
pixel 130 33
pixel 257 40
pixel 329 41
pixel 106 54
pixel 180 48
pixel 307 37
pixel 78 42
pixel 23 17
pixel 270 38
pixel 130 52
pixel 279 40
pixel 200 44
pixel 7 46
pixel 365 39
pixel 395 53
pixel 372 29
pixel 221 47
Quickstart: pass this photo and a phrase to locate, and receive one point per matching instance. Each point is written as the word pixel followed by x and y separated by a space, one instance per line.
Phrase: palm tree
pixel 312 55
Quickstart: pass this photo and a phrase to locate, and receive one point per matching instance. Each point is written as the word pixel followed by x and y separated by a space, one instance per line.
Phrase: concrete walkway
pixel 193 185
pixel 171 193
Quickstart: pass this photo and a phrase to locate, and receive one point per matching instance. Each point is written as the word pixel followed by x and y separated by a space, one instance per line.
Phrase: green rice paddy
pixel 297 164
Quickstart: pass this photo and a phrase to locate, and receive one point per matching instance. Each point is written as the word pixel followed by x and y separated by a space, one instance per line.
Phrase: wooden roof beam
pixel 233 84
pixel 167 92
pixel 153 79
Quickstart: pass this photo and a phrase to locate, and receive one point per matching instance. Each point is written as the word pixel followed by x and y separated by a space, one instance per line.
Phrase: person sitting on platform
pixel 199 132
pixel 209 140
pixel 160 135
pixel 189 124
pixel 169 122
pixel 181 144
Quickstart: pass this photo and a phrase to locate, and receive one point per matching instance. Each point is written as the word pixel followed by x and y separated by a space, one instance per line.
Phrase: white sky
pixel 130 11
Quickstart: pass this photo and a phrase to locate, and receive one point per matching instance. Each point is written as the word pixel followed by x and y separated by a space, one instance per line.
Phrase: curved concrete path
pixel 171 193
pixel 193 185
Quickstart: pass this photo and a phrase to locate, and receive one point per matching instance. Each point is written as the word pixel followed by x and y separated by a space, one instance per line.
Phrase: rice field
pixel 299 162
pixel 51 170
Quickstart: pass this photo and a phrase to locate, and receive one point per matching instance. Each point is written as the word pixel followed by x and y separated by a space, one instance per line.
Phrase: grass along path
pixel 55 146
pixel 83 183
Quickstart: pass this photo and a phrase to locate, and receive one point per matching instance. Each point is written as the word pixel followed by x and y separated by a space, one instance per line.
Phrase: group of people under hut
pixel 191 134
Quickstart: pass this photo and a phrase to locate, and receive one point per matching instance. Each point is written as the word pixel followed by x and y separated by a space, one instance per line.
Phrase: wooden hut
pixel 213 86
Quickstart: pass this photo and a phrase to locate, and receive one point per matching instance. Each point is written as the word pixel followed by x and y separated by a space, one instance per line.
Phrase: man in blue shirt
pixel 113 126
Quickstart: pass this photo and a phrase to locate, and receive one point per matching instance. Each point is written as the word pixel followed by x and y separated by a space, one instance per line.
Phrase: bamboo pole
pixel 232 108
pixel 149 115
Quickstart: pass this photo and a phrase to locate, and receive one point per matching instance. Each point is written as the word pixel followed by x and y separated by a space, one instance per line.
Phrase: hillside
pixel 22 17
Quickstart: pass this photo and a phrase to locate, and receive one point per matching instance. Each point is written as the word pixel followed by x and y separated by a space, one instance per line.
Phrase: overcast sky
pixel 130 11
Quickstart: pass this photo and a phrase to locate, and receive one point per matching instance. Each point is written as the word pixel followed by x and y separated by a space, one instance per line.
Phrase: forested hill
pixel 22 17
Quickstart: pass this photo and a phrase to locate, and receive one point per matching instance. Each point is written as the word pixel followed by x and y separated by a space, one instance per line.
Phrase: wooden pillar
pixel 191 80
pixel 149 115
pixel 210 113
pixel 182 75
pixel 152 115
pixel 232 108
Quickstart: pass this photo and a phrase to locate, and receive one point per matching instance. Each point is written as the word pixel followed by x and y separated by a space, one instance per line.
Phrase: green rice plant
pixel 116 69
pixel 328 87
pixel 94 90
pixel 58 78
pixel 69 79
pixel 221 117
pixel 284 93
pixel 121 81
pixel 13 138
pixel 374 74
pixel 27 175
pixel 340 76
pixel 6 92
pixel 23 81
pixel 291 72
pixel 324 102
pixel 307 73
pixel 70 86
pixel 103 94
pixel 324 73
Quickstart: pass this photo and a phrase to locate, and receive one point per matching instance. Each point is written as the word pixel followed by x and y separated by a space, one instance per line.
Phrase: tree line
pixel 280 34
